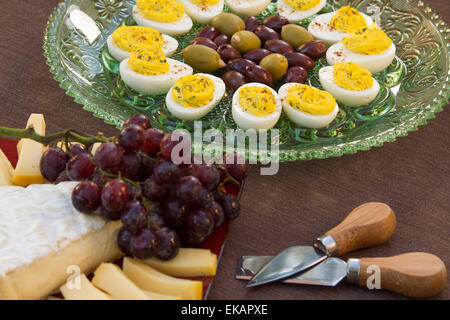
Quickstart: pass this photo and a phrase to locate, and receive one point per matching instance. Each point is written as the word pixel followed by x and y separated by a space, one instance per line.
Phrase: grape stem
pixel 229 176
pixel 69 134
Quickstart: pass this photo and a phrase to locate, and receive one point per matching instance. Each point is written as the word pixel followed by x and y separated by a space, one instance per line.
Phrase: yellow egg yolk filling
pixel 148 61
pixel 134 37
pixel 348 20
pixel 257 101
pixel 161 10
pixel 193 91
pixel 310 100
pixel 371 41
pixel 204 2
pixel 302 5
pixel 351 76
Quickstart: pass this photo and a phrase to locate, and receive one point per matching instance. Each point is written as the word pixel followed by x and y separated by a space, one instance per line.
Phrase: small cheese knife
pixel 416 274
pixel 368 225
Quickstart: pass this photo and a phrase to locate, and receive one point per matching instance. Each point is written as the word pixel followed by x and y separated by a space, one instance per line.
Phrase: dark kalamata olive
pixel 265 33
pixel 222 39
pixel 228 52
pixel 257 55
pixel 278 46
pixel 275 22
pixel 315 49
pixel 251 23
pixel 208 32
pixel 233 80
pixel 255 73
pixel 297 59
pixel 239 65
pixel 204 42
pixel 296 74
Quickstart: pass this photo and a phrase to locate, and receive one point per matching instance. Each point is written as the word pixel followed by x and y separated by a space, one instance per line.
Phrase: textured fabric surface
pixel 301 202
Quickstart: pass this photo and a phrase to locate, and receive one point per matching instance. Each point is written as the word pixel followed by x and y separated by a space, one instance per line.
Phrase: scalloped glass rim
pixel 416 106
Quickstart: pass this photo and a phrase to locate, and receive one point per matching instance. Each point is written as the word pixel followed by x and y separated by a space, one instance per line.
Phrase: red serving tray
pixel 215 242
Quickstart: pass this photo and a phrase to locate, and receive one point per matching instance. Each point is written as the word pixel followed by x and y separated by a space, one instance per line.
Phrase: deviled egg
pixel 166 16
pixel 297 10
pixel 334 26
pixel 149 72
pixel 371 48
pixel 245 8
pixel 307 106
pixel 256 106
pixel 126 39
pixel 194 96
pixel 349 83
pixel 202 11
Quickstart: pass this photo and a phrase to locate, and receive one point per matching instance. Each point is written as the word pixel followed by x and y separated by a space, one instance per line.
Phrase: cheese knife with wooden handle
pixel 415 274
pixel 368 225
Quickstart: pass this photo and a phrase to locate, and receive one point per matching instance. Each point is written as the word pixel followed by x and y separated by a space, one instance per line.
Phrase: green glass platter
pixel 413 88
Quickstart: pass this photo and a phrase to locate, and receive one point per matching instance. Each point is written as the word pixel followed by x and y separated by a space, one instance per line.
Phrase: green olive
pixel 295 35
pixel 228 23
pixel 276 64
pixel 202 58
pixel 245 41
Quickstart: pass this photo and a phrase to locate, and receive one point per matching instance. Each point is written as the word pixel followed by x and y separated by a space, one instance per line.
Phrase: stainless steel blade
pixel 289 262
pixel 328 273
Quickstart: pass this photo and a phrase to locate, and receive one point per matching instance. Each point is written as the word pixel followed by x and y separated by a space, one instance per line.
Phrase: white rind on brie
pixel 38 221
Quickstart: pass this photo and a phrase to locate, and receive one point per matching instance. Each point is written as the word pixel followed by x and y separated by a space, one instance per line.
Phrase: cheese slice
pixel 112 280
pixel 6 170
pixel 188 263
pixel 148 278
pixel 84 291
pixel 28 169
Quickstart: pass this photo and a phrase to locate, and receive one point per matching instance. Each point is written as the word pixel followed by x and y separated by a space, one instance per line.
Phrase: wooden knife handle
pixel 368 225
pixel 416 274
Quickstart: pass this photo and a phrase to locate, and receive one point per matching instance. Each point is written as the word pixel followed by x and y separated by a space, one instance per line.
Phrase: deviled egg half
pixel 297 10
pixel 247 8
pixel 129 38
pixel 166 16
pixel 349 83
pixel 307 106
pixel 148 71
pixel 194 96
pixel 256 106
pixel 334 26
pixel 371 48
pixel 202 11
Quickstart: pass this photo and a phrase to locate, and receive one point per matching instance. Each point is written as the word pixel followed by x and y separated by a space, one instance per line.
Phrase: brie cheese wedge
pixel 43 239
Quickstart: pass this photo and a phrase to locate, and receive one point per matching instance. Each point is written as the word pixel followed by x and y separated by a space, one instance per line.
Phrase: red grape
pixel 174 212
pixel 217 213
pixel 154 191
pixel 134 216
pixel 165 171
pixel 110 215
pixel 231 206
pixel 190 240
pixel 76 149
pixel 109 157
pixel 152 141
pixel 115 195
pixel 188 189
pixel 208 175
pixel 123 240
pixel 86 197
pixel 131 138
pixel 168 244
pixel 80 167
pixel 53 162
pixel 167 145
pixel 236 167
pixel 139 120
pixel 143 244
pixel 62 177
pixel 199 222
pixel 156 221
pixel 131 166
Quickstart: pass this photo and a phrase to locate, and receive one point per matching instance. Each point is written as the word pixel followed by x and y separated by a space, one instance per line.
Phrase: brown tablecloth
pixel 302 201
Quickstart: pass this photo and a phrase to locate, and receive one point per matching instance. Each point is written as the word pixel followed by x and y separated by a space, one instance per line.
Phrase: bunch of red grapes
pixel 161 205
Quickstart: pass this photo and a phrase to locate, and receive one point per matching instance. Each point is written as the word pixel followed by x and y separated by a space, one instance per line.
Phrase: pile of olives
pixel 254 51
